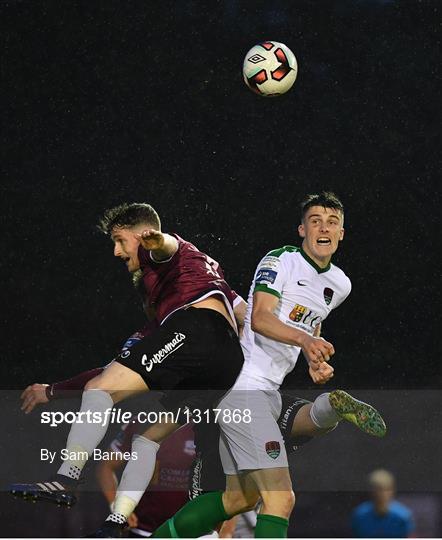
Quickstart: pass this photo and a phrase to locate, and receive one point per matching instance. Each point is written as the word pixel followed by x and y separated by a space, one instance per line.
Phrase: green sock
pixel 268 526
pixel 196 518
pixel 166 530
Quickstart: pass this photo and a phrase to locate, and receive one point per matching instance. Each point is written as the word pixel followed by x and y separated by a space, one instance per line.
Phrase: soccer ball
pixel 270 69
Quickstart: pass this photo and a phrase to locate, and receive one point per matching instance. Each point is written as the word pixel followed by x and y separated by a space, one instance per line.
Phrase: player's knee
pixel 291 500
pixel 236 502
pixel 95 384
pixel 278 503
pixel 250 501
pixel 99 383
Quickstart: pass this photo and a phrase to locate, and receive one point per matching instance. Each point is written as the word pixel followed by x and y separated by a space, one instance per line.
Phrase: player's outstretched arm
pixel 266 323
pixel 161 245
pixel 33 395
pixel 38 393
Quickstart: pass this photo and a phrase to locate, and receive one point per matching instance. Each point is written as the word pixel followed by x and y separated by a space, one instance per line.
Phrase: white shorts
pixel 257 444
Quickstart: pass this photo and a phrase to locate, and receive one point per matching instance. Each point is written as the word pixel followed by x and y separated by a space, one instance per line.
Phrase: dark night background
pixel 106 102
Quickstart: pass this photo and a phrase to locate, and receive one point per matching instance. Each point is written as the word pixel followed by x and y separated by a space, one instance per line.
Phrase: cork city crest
pixel 328 295
pixel 273 449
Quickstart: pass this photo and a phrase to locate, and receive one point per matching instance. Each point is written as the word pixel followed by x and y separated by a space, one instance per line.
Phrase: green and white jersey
pixel 307 294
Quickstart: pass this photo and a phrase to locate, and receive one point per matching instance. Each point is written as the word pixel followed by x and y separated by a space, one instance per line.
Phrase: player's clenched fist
pixel 316 350
pixel 32 396
pixel 151 239
pixel 322 374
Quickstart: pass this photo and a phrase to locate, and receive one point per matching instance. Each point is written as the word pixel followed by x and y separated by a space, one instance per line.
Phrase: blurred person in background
pixel 382 516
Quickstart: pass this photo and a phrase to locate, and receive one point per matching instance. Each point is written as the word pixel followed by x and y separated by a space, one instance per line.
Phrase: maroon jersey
pixel 169 489
pixel 189 275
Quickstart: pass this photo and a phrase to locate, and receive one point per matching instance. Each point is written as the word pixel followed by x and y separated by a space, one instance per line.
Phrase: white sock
pixel 117 518
pixel 322 413
pixel 136 476
pixel 86 436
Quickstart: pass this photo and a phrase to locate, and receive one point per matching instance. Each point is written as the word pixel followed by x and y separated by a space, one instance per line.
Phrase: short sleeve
pixel 271 275
pixel 346 290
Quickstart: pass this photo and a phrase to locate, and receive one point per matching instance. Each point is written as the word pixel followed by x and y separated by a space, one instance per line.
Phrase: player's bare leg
pixel 114 384
pixel 278 500
pixel 241 494
pixel 119 381
pixel 202 515
pixel 303 425
pixel 273 486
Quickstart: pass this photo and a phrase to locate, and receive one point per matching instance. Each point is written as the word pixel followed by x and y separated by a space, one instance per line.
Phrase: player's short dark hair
pixel 129 215
pixel 326 199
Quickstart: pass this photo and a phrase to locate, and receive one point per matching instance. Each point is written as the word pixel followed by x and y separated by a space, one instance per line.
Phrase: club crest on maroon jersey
pixel 273 449
pixel 328 295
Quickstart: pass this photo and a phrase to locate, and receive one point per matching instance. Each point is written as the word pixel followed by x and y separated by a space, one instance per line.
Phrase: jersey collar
pixel 312 263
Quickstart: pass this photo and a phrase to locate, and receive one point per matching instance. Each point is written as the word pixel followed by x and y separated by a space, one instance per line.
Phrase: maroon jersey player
pixel 194 355
pixel 188 277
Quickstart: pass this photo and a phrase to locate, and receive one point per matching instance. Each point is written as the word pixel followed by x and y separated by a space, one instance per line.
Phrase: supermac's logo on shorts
pixel 195 487
pixel 273 449
pixel 162 354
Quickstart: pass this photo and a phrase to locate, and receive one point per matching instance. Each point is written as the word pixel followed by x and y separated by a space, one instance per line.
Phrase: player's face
pixel 322 230
pixel 126 246
pixel 382 495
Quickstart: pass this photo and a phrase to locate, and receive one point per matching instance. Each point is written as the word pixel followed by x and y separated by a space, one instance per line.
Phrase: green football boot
pixel 361 414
